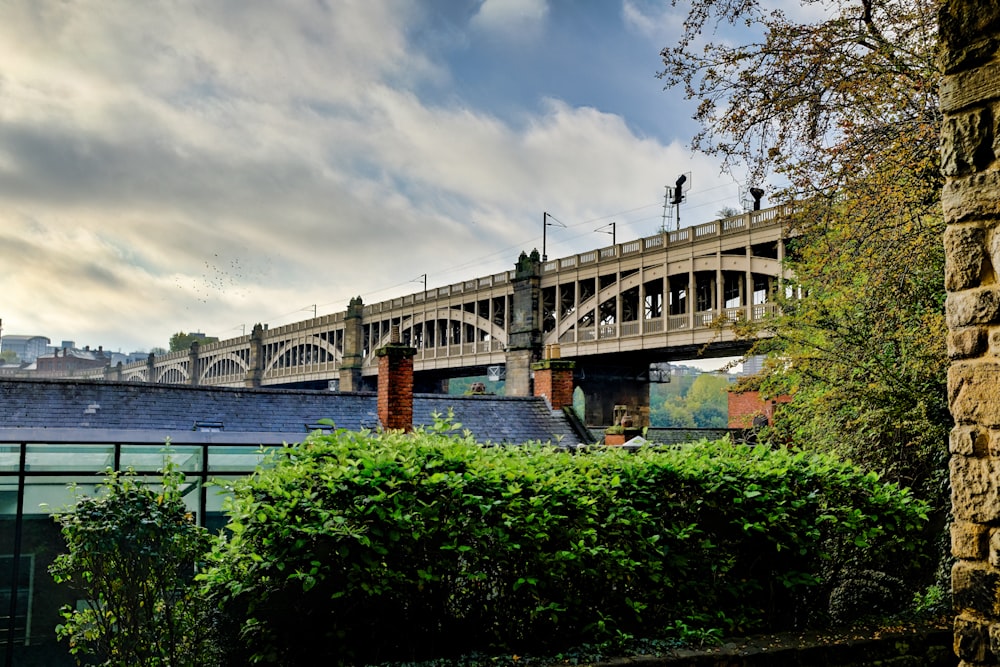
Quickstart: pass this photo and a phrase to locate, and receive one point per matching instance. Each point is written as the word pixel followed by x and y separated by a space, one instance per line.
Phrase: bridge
pixel 613 311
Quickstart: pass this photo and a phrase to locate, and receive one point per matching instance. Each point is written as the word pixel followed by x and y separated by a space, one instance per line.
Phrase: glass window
pixel 151 458
pixel 69 457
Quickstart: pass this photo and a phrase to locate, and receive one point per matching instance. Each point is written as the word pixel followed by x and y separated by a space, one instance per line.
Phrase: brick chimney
pixel 554 381
pixel 395 384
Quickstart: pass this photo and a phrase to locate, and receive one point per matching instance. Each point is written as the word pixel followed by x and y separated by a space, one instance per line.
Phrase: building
pixel 71 360
pixel 58 432
pixel 747 409
pixel 27 348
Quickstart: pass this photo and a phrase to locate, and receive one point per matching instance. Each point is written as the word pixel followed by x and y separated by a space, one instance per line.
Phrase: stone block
pixel 967 142
pixel 967 441
pixel 994 547
pixel 974 392
pixel 972 197
pixel 964 31
pixel 974 589
pixel 970 541
pixel 967 342
pixel 973 306
pixel 974 489
pixel 965 256
pixel 972 639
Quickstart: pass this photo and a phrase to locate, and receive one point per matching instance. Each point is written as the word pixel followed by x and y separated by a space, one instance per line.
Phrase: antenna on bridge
pixel 666 203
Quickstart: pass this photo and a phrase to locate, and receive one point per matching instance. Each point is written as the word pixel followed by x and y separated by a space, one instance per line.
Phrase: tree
pixel 132 553
pixel 844 109
pixel 181 341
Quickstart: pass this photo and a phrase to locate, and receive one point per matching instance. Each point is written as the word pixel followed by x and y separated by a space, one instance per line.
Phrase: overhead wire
pixel 505 250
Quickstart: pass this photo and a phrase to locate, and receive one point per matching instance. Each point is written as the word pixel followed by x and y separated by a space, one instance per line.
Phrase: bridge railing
pixel 743 222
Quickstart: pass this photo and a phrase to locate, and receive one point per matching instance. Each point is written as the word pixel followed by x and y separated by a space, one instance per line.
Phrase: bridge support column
pixel 193 365
pixel 350 368
pixel 256 371
pixel 524 343
pixel 603 389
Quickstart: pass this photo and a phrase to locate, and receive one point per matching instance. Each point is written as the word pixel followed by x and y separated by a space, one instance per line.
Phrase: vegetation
pixel 690 401
pixel 844 109
pixel 438 546
pixel 181 341
pixel 132 551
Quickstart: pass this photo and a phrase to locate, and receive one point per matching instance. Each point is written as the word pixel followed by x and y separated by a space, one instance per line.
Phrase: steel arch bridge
pixel 649 298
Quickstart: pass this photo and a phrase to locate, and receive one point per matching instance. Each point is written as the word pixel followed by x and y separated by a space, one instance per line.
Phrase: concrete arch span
pixel 481 325
pixel 677 269
pixel 216 366
pixel 303 352
pixel 172 374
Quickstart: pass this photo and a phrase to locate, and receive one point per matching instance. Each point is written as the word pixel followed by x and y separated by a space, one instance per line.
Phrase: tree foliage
pixel 181 341
pixel 132 553
pixel 844 109
pixel 690 402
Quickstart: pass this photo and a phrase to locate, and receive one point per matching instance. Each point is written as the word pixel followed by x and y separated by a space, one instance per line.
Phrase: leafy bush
pixel 362 548
pixel 132 551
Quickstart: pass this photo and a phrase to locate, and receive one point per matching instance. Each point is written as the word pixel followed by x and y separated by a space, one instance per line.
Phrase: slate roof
pixel 91 411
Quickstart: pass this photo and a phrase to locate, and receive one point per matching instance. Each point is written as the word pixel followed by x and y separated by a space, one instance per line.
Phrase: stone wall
pixel 970 156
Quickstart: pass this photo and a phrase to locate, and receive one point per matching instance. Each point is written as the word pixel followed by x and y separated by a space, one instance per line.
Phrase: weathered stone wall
pixel 970 154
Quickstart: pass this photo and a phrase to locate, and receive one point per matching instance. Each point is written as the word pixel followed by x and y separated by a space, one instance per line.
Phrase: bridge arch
pixel 303 352
pixel 172 374
pixel 227 363
pixel 480 326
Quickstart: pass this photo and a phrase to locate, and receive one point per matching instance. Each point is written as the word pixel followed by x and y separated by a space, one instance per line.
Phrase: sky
pixel 180 165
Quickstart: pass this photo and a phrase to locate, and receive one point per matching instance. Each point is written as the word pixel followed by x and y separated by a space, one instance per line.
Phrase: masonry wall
pixel 970 148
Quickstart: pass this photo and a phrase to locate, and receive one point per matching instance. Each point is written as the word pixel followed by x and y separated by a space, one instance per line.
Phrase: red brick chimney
pixel 554 381
pixel 395 384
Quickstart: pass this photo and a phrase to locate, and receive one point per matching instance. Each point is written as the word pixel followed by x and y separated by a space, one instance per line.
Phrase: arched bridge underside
pixel 651 299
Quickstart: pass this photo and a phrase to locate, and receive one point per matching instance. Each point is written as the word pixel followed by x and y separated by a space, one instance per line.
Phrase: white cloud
pixel 170 166
pixel 516 20
pixel 659 23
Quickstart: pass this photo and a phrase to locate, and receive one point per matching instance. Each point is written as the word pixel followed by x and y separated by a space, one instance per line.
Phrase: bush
pixel 132 552
pixel 363 548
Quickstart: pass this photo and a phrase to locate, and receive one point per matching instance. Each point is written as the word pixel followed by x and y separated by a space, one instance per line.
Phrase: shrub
pixel 364 548
pixel 132 551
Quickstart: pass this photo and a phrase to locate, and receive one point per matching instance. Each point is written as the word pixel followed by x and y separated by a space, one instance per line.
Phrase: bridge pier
pixel 524 344
pixel 350 368
pixel 605 388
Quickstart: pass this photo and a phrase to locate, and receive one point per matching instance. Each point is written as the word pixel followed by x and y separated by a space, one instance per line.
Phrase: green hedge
pixel 366 548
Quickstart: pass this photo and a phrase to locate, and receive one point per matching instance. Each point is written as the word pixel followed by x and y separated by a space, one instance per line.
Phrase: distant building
pixel 747 409
pixel 72 360
pixel 27 348
pixel 753 365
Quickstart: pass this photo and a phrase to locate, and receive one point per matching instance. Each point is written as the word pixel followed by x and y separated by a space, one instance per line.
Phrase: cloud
pixel 513 20
pixel 179 166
